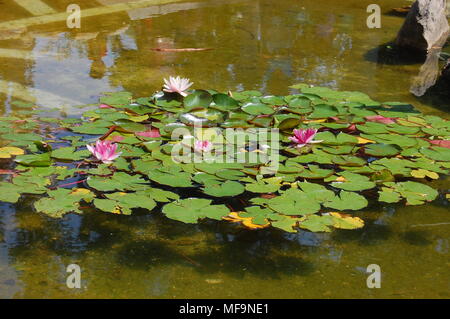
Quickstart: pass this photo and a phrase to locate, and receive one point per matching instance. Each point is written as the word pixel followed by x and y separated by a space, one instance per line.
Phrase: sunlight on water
pixel 255 46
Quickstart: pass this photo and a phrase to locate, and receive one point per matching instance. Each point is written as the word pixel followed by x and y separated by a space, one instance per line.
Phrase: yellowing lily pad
pixel 246 221
pixel 422 173
pixel 8 151
pixel 345 221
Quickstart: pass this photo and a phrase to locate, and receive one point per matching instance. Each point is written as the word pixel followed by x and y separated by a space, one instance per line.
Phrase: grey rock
pixel 424 26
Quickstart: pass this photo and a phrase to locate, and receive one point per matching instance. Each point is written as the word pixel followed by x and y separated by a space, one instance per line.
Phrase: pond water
pixel 255 45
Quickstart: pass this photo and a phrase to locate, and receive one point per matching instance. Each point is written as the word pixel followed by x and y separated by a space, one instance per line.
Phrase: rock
pixel 425 24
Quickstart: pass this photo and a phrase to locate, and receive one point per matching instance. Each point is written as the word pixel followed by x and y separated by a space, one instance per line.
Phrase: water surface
pixel 256 45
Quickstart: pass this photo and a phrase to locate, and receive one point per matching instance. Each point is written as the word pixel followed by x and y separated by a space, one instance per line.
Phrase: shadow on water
pixel 260 253
pixel 438 95
pixel 147 253
pixel 143 242
pixel 371 235
pixel 389 54
pixel 128 245
pixel 416 237
pixel 224 249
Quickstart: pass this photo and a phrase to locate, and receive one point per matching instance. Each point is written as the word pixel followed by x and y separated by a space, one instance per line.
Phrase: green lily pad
pixel 289 124
pixel 40 160
pixel 62 201
pixel 228 188
pixel 323 111
pixel 347 201
pixel 273 100
pixel 294 202
pixel 414 193
pixel 315 172
pixel 257 108
pixel 225 102
pixel 171 177
pixel 436 153
pixel 192 209
pixel 70 153
pixel 262 187
pixel 197 99
pixel 123 203
pixel 380 150
pixel 317 223
pixel 354 182
pixel 119 181
pixel 9 193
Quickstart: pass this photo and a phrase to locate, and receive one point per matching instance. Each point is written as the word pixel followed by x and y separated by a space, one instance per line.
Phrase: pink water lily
pixel 177 85
pixel 105 151
pixel 203 146
pixel 302 137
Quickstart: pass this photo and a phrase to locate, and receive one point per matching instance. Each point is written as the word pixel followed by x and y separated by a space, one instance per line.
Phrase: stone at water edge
pixel 425 24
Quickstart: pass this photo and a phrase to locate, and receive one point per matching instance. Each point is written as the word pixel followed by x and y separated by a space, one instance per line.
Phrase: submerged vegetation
pixel 338 153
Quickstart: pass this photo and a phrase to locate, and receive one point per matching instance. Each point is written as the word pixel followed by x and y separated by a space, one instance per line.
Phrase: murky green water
pixel 257 44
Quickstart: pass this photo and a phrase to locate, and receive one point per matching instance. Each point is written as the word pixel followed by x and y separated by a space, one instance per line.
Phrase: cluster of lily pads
pixel 338 153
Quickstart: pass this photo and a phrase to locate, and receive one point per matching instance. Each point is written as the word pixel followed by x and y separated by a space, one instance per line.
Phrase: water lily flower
pixel 105 106
pixel 203 146
pixel 105 151
pixel 303 137
pixel 177 85
pixel 381 119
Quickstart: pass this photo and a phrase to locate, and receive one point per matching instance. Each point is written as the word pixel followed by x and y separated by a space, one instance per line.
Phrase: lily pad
pixel 228 188
pixel 192 209
pixel 347 201
pixel 380 150
pixel 414 193
pixel 354 182
pixel 198 99
pixel 41 160
pixel 225 102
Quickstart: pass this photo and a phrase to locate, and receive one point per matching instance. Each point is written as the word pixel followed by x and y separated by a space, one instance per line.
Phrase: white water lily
pixel 177 85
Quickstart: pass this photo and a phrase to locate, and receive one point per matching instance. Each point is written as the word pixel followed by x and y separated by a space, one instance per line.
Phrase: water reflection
pixel 9 284
pixel 256 46
pixel 149 256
